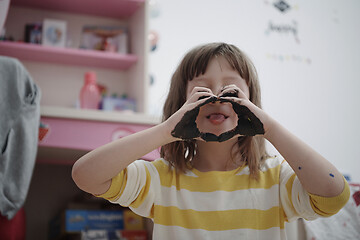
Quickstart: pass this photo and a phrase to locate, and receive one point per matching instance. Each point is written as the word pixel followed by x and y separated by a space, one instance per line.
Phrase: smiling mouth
pixel 217 118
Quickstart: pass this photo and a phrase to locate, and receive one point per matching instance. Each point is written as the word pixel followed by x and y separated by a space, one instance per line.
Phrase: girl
pixel 208 189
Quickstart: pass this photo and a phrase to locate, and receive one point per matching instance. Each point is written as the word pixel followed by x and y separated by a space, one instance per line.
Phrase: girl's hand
pixel 197 96
pixel 242 99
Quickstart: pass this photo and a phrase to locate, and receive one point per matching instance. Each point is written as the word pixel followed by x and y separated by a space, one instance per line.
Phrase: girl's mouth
pixel 217 118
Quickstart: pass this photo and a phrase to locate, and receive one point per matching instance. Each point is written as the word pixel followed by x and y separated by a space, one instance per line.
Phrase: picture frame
pixel 54 33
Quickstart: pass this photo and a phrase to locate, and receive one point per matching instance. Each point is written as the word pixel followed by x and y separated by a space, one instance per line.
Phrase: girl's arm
pixel 317 175
pixel 93 172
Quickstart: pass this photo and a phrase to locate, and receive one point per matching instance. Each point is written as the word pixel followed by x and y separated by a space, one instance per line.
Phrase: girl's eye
pixel 232 93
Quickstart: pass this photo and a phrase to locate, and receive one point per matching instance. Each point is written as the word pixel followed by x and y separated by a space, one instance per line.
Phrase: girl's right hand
pixel 197 96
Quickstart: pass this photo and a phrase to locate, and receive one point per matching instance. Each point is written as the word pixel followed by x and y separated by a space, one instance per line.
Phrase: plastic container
pixel 90 94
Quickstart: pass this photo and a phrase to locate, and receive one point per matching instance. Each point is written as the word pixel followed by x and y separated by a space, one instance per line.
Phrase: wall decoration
pixel 153 37
pixel 151 79
pixel 154 9
pixel 294 58
pixel 283 29
pixel 288 28
pixel 282 6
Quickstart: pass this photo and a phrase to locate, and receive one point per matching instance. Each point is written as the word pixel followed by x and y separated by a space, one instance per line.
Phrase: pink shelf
pixel 78 57
pixel 87 135
pixel 105 8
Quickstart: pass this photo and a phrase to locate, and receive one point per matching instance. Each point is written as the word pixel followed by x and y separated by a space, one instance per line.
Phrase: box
pixel 75 221
pixel 118 104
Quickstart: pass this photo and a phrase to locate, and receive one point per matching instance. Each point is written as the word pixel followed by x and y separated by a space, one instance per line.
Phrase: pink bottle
pixel 90 94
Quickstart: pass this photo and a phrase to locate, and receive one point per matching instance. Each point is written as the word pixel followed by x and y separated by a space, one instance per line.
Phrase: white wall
pixel 310 81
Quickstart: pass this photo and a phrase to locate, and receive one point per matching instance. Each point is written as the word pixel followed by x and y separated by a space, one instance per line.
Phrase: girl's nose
pixel 217 90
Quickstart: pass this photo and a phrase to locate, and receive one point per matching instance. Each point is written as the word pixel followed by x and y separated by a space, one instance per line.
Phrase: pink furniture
pixel 68 56
pixel 59 74
pixel 78 131
pixel 86 135
pixel 107 8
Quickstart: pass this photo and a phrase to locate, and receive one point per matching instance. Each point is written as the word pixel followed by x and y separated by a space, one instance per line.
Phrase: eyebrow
pixel 229 77
pixel 233 77
pixel 200 78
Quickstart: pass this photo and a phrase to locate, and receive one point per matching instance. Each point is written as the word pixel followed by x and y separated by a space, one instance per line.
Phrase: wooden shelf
pixel 106 8
pixel 67 56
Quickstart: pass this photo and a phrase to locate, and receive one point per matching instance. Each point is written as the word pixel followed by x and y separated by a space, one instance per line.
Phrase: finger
pixel 242 101
pixel 200 89
pixel 199 99
pixel 199 95
pixel 235 99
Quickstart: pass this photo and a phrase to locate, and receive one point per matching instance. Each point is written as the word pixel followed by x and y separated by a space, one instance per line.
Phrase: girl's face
pixel 217 118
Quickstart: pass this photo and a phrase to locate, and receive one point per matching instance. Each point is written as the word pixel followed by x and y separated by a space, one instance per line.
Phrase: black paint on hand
pixel 248 123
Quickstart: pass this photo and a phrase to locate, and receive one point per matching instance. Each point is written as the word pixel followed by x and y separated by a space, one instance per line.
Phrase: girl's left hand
pixel 242 99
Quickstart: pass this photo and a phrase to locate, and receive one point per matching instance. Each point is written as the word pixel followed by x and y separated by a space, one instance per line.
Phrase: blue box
pixel 118 104
pixel 76 221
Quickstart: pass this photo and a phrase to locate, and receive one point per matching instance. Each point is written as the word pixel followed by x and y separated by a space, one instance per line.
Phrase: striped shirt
pixel 218 204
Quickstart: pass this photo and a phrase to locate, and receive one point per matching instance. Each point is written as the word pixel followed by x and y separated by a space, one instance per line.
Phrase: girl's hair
pixel 180 153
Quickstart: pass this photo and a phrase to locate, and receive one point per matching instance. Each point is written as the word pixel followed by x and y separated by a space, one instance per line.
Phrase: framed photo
pixel 54 33
pixel 33 33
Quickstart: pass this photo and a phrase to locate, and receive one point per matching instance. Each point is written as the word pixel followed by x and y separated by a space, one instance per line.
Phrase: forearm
pixel 317 175
pixel 93 172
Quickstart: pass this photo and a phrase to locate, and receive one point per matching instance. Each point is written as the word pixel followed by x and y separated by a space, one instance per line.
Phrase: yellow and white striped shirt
pixel 218 204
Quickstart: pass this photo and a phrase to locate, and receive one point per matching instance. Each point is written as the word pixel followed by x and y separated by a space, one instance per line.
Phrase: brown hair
pixel 180 153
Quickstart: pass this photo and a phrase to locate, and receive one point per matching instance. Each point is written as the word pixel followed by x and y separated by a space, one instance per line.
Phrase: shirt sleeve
pixel 135 187
pixel 328 206
pixel 298 203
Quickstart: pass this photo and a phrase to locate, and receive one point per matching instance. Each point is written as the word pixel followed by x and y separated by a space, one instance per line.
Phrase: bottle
pixel 90 93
